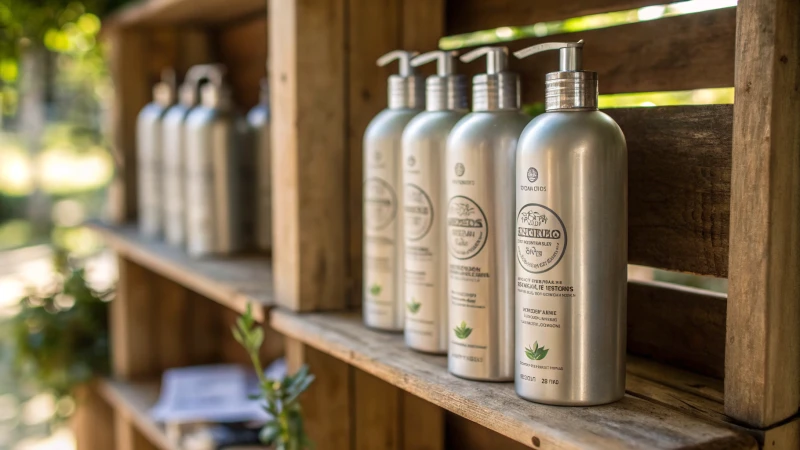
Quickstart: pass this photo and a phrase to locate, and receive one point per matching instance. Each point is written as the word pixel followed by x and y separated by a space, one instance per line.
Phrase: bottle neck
pixel 570 91
pixel 406 92
pixel 497 91
pixel 446 93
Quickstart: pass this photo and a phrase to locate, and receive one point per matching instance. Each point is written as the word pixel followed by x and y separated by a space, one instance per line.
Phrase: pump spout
pixel 496 58
pixel 445 61
pixel 570 54
pixel 403 57
pixel 571 88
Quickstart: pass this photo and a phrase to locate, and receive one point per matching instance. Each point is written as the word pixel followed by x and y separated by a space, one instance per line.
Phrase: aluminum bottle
pixel 480 212
pixel 424 198
pixel 383 170
pixel 216 138
pixel 258 119
pixel 174 155
pixel 149 158
pixel 571 244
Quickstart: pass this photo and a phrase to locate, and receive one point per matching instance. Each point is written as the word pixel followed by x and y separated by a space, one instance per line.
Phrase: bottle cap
pixel 571 88
pixel 189 90
pixel 445 90
pixel 405 88
pixel 164 91
pixel 497 88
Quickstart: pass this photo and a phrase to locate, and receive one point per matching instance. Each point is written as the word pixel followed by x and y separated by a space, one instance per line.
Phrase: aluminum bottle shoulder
pixel 202 116
pixel 176 115
pixel 258 116
pixel 432 125
pixel 389 123
pixel 578 131
pixel 487 127
pixel 152 112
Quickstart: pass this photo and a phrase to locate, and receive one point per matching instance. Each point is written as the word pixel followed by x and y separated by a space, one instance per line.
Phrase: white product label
pixel 470 252
pixel 380 252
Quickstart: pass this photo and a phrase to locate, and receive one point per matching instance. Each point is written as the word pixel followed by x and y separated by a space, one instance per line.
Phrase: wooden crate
pixel 714 190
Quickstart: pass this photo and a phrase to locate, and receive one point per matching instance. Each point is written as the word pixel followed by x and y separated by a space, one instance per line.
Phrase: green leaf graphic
pixel 536 353
pixel 462 331
pixel 375 290
pixel 413 306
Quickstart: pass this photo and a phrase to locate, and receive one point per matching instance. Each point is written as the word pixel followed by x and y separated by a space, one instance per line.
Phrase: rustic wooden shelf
pixel 652 415
pixel 234 281
pixel 133 400
pixel 181 12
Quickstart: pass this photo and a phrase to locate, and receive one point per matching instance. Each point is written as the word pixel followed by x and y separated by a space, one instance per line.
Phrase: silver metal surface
pixel 258 119
pixel 571 259
pixel 149 160
pixel 497 89
pixel 571 88
pixel 217 180
pixel 445 90
pixel 480 242
pixel 384 307
pixel 173 138
pixel 406 89
pixel 424 205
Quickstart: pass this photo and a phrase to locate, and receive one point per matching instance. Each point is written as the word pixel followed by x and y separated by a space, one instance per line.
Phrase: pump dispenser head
pixel 497 88
pixel 571 88
pixel 216 93
pixel 164 90
pixel 188 93
pixel 405 88
pixel 445 90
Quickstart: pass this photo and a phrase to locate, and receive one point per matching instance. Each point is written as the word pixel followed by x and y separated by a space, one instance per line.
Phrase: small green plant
pixel 375 290
pixel 462 331
pixel 536 353
pixel 285 430
pixel 413 306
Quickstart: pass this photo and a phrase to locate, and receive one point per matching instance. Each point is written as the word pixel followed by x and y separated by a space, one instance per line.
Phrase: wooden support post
pixel 378 415
pixel 762 358
pixel 307 80
pixel 93 421
pixel 133 330
pixel 328 402
pixel 423 424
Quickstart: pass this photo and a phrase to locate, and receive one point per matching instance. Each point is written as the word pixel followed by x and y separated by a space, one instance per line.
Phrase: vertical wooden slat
pixel 129 71
pixel 170 316
pixel 133 328
pixel 378 417
pixel 423 24
pixel 93 421
pixel 762 358
pixel 423 424
pixel 205 326
pixel 307 78
pixel 328 402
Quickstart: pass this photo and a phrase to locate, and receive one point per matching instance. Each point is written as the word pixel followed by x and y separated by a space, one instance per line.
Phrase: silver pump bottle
pixel 424 199
pixel 384 307
pixel 216 138
pixel 149 152
pixel 258 120
pixel 174 155
pixel 571 243
pixel 479 214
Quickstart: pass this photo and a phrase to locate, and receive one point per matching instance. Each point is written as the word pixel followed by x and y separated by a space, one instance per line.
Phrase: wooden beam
pixel 307 80
pixel 762 358
pixel 133 328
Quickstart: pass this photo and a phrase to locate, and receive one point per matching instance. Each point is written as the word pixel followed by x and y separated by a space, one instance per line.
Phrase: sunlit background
pixel 55 160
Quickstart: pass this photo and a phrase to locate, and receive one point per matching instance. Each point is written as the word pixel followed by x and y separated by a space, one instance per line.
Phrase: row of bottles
pixel 499 240
pixel 204 175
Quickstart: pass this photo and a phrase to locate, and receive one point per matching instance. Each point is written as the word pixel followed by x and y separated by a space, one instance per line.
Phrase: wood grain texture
pixel 629 423
pixel 680 326
pixel 377 408
pixel 464 434
pixel 234 281
pixel 464 16
pixel 659 55
pixel 763 337
pixel 679 163
pixel 132 402
pixel 243 50
pixel 93 421
pixel 174 12
pixel 423 424
pixel 171 324
pixel 133 330
pixel 783 437
pixel 307 81
pixel 327 405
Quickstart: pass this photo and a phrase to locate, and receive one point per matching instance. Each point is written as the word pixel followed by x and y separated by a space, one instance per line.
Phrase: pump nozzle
pixel 570 54
pixel 497 88
pixel 404 57
pixel 444 61
pixel 445 90
pixel 496 58
pixel 405 88
pixel 571 88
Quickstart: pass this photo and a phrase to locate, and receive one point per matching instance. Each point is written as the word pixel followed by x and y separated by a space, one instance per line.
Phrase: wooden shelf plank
pixel 233 281
pixel 633 422
pixel 133 401
pixel 175 12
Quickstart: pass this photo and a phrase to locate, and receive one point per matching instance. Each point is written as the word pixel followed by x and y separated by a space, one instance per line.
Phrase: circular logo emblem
pixel 533 174
pixel 411 161
pixel 418 212
pixel 467 228
pixel 541 238
pixel 380 204
pixel 460 169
